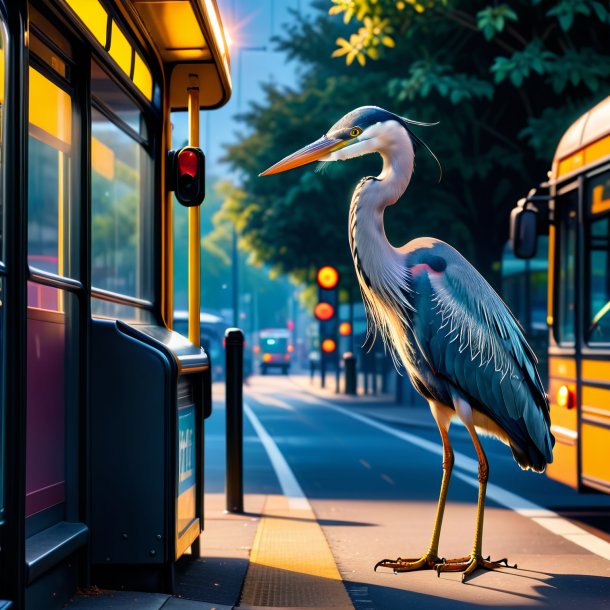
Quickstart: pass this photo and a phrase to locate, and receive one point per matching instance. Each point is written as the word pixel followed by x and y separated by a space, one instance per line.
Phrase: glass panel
pixel 597 322
pixel 524 290
pixel 50 225
pixel 104 89
pixel 567 223
pixel 117 311
pixel 2 96
pixel 2 331
pixel 52 368
pixel 3 71
pixel 121 209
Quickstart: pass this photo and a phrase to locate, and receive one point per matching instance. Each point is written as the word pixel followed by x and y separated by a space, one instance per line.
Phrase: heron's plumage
pixel 476 348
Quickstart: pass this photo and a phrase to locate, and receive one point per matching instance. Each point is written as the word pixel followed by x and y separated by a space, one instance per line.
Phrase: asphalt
pixel 216 579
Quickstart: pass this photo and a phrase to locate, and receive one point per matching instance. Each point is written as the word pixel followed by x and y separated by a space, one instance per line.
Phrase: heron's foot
pixel 427 562
pixel 467 565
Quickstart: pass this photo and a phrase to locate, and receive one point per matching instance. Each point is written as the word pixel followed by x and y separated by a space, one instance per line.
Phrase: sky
pixel 251 25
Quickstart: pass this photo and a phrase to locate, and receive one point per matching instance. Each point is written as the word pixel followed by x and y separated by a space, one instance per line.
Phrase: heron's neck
pixel 367 236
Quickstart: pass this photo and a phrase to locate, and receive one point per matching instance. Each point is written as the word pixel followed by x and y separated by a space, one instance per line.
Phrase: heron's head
pixel 364 130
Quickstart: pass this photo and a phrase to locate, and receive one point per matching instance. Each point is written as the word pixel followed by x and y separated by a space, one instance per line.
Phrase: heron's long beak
pixel 312 152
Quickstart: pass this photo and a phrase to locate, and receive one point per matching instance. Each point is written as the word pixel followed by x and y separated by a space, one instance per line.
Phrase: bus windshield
pixel 274 345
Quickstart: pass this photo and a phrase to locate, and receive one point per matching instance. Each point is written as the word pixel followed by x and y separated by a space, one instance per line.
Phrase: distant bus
pixel 574 208
pixel 212 335
pixel 275 350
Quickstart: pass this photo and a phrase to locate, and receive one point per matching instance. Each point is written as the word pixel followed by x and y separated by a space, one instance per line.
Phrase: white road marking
pixel 288 482
pixel 270 401
pixel 540 515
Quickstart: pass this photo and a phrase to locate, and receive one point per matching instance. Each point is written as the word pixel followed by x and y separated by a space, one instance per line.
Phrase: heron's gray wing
pixel 471 339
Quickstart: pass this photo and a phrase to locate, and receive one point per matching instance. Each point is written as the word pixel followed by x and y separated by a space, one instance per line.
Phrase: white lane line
pixel 288 482
pixel 544 517
pixel 270 401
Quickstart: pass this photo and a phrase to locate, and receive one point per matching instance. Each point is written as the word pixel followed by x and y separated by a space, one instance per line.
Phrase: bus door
pixel 55 306
pixel 563 349
pixel 595 373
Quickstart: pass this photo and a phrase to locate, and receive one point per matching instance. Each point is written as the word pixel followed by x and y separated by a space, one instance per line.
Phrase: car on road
pixel 275 350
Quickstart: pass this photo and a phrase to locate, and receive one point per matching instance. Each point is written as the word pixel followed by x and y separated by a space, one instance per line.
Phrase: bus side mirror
pixel 186 175
pixel 524 230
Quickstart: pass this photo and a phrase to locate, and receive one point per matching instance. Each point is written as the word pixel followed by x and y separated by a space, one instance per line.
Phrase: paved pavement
pixel 368 472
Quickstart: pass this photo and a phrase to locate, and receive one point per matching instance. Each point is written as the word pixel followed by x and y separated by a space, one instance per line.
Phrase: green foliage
pixel 490 73
pixel 567 10
pixel 517 67
pixel 426 76
pixel 492 19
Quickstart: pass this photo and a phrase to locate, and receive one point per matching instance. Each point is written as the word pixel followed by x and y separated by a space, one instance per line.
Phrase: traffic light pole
pixel 194 229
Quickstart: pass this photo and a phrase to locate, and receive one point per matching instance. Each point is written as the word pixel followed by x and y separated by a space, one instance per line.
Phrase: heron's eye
pixel 355 132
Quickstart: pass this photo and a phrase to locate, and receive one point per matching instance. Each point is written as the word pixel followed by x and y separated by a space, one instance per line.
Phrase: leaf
pixel 388 41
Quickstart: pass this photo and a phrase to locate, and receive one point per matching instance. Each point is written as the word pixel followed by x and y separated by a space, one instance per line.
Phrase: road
pixel 371 473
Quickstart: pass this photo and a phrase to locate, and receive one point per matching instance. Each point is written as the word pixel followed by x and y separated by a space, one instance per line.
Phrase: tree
pixel 504 80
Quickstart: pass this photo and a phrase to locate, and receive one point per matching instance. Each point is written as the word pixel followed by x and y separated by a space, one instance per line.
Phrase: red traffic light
pixel 324 311
pixel 188 163
pixel 327 277
pixel 186 175
pixel 345 329
pixel 328 346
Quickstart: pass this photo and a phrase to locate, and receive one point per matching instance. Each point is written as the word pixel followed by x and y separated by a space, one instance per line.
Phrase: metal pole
pixel 322 369
pixel 194 273
pixel 235 278
pixel 234 347
pixel 349 361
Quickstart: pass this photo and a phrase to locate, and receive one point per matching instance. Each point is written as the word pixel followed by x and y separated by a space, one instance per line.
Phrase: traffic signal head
pixel 328 346
pixel 327 277
pixel 186 175
pixel 324 311
pixel 345 329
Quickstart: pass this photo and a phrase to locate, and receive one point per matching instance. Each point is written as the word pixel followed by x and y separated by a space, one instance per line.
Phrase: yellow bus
pixel 102 405
pixel 576 214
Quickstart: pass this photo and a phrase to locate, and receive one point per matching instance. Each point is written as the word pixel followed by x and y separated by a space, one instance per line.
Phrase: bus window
pixel 49 175
pixel 121 206
pixel 597 323
pixel 53 314
pixel 2 258
pixel 567 223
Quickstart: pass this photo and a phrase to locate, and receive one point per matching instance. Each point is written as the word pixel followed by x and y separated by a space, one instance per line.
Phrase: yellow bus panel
pixel 562 367
pixel 564 425
pixel 565 459
pixel 596 370
pixel 595 460
pixel 596 401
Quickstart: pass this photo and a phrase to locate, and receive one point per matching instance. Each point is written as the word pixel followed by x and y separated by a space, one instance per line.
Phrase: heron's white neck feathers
pixel 380 267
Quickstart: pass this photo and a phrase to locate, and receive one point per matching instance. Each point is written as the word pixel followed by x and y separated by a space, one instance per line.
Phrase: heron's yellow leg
pixel 467 565
pixel 430 559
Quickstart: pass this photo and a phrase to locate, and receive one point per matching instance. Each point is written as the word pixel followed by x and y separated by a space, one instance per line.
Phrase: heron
pixel 460 345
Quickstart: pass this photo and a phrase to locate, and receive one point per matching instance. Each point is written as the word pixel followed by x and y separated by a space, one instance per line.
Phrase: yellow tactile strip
pixel 291 565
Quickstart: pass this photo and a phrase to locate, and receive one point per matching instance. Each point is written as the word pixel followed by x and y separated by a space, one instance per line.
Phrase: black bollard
pixel 234 348
pixel 349 362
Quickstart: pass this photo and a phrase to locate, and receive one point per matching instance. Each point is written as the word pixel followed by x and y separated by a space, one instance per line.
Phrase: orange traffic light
pixel 345 329
pixel 324 311
pixel 328 277
pixel 328 346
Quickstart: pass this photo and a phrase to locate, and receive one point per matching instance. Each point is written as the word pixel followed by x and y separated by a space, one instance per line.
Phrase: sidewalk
pixel 230 540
